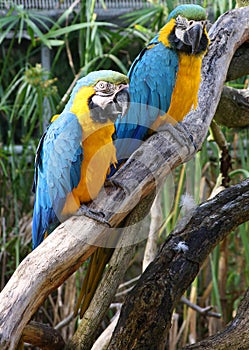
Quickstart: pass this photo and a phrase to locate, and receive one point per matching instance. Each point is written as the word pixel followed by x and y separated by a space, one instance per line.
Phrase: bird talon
pixel 96 215
pixel 186 132
pixel 113 182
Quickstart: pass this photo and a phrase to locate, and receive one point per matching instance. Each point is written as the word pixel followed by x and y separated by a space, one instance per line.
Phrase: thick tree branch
pixel 71 243
pixel 84 337
pixel 239 66
pixel 234 336
pixel 43 336
pixel 146 315
pixel 233 108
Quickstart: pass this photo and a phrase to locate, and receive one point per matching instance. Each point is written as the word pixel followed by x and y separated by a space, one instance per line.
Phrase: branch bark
pixel 84 337
pixel 233 108
pixel 44 269
pixel 239 64
pixel 146 315
pixel 43 336
pixel 234 336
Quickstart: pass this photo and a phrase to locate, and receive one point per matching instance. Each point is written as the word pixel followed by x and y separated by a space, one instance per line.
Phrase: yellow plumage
pixel 99 153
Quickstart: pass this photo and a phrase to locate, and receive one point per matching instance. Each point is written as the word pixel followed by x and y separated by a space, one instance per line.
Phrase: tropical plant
pixel 30 95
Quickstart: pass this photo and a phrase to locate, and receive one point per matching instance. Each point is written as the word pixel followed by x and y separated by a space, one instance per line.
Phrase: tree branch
pixel 233 108
pixel 239 65
pixel 44 269
pixel 234 336
pixel 84 337
pixel 202 310
pixel 43 336
pixel 146 315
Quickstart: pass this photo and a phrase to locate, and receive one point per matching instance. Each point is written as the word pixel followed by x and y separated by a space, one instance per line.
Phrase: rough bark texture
pixel 146 315
pixel 48 266
pixel 85 335
pixel 145 318
pixel 233 108
pixel 234 336
pixel 43 336
pixel 239 66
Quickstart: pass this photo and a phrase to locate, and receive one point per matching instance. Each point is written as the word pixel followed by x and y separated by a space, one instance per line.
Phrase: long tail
pixel 98 261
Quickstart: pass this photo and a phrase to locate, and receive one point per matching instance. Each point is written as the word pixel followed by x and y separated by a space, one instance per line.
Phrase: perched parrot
pixel 164 78
pixel 163 86
pixel 75 153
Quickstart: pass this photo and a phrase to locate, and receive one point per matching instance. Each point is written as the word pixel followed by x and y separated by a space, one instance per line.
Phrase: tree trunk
pixel 146 315
pixel 234 337
pixel 49 265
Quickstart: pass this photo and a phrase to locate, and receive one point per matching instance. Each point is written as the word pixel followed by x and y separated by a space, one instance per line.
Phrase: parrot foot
pixel 179 127
pixel 190 136
pixel 94 214
pixel 113 182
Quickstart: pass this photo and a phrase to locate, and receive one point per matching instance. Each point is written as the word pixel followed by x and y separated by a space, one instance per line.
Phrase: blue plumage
pixel 153 77
pixel 150 94
pixel 60 155
pixel 58 166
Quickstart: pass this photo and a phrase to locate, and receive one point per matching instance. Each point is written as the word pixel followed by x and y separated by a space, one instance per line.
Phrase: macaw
pixel 75 153
pixel 163 86
pixel 164 78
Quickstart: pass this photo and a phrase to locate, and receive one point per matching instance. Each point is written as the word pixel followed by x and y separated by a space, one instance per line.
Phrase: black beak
pixel 119 103
pixel 193 36
pixel 122 99
pixel 110 107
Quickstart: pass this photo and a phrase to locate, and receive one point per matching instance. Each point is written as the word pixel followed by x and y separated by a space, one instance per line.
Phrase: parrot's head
pixel 185 30
pixel 110 98
pixel 102 95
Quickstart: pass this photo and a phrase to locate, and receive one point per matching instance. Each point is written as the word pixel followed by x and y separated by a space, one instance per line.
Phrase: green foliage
pixel 221 6
pixel 28 93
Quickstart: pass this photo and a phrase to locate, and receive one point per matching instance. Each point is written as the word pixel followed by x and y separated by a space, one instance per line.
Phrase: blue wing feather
pixel 57 171
pixel 152 80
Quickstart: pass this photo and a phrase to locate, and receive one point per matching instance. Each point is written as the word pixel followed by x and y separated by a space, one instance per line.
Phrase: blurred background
pixel 45 46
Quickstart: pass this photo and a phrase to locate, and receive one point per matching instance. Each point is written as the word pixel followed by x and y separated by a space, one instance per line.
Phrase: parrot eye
pixel 101 85
pixel 104 87
pixel 181 22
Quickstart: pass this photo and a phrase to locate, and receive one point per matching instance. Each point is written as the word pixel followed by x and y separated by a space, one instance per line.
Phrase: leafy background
pixel 79 43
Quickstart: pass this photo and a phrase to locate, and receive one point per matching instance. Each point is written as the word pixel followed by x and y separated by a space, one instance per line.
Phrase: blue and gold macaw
pixel 164 83
pixel 164 78
pixel 163 87
pixel 75 153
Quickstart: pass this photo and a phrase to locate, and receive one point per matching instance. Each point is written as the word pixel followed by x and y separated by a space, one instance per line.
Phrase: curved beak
pixel 122 99
pixel 193 35
pixel 104 107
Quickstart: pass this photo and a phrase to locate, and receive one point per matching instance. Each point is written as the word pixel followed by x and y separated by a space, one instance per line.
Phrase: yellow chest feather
pixel 185 93
pixel 98 153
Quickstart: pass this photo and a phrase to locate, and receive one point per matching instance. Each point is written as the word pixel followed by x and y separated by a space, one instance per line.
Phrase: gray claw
pixel 92 214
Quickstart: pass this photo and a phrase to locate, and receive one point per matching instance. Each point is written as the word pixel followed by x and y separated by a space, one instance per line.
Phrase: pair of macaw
pixel 76 152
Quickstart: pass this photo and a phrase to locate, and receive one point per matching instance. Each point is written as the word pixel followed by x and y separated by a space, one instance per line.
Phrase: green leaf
pixel 74 27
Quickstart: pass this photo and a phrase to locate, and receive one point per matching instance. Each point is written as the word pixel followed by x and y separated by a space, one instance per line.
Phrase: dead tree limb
pixel 233 108
pixel 146 315
pixel 239 66
pixel 85 335
pixel 43 336
pixel 43 270
pixel 234 336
